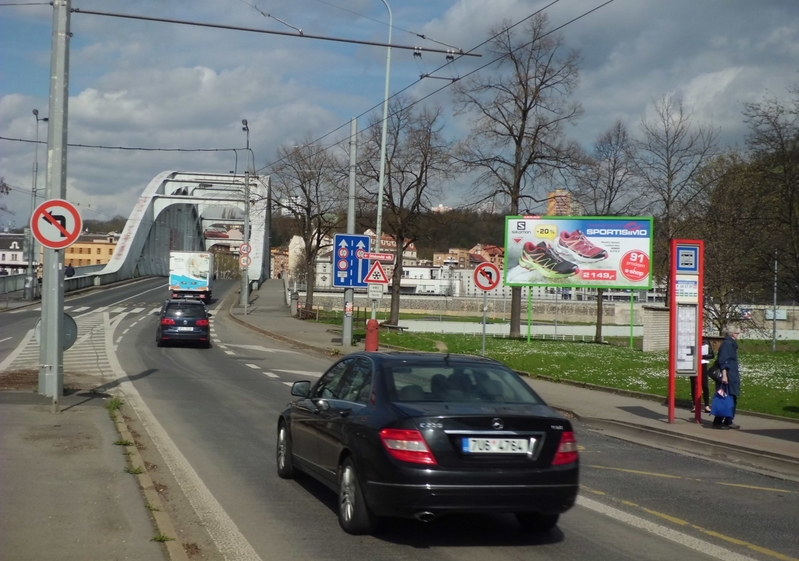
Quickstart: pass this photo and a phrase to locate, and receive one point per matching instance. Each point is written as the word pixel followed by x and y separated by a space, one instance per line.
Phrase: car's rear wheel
pixel 354 515
pixel 537 521
pixel 285 463
pixel 158 341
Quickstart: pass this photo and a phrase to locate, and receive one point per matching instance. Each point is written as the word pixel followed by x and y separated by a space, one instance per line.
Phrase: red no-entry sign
pixel 56 224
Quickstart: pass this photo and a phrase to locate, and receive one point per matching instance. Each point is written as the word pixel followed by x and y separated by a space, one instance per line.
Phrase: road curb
pixel 776 465
pixel 639 395
pixel 163 521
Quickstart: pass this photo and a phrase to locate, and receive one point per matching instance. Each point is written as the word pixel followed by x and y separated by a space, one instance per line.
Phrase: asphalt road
pixel 212 436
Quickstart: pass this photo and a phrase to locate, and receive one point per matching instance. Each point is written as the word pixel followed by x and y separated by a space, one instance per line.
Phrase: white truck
pixel 191 274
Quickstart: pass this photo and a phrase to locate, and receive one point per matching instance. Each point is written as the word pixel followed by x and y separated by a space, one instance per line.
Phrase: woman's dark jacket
pixel 728 360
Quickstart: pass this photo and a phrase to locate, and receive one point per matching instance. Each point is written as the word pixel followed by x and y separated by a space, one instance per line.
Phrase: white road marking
pixel 254 366
pixel 261 348
pixel 136 310
pixel 271 375
pixel 678 537
pixel 229 352
pixel 128 329
pixel 81 309
pixel 6 339
pixel 229 540
pixel 301 372
pixel 117 310
pixel 119 339
pixel 16 352
pixel 289 383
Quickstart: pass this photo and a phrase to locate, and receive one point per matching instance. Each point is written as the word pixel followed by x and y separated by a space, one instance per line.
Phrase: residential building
pixel 491 253
pixel 91 249
pixel 12 258
pixel 456 258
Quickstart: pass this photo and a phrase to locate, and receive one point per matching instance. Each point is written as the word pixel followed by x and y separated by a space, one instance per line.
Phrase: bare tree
pixel 418 160
pixel 519 114
pixel 773 142
pixel 306 185
pixel 670 155
pixel 607 185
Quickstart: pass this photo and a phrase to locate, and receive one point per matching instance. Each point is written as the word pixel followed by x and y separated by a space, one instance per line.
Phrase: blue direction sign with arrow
pixel 350 260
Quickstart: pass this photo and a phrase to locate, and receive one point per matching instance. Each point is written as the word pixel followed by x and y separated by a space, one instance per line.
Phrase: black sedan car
pixel 421 435
pixel 183 321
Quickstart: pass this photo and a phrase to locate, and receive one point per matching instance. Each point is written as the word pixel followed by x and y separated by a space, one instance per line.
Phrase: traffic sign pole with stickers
pixel 486 277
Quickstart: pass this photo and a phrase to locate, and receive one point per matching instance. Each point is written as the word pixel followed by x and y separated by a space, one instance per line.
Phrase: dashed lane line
pixel 253 366
pixel 271 375
pixel 229 353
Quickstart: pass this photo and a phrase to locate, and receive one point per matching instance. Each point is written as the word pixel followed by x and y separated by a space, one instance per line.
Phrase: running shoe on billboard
pixel 580 248
pixel 545 260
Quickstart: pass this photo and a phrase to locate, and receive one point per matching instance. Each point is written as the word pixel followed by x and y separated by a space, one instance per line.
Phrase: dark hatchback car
pixel 183 321
pixel 421 435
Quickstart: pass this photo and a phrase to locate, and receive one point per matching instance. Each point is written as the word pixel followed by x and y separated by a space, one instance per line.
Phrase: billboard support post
pixel 632 317
pixel 529 312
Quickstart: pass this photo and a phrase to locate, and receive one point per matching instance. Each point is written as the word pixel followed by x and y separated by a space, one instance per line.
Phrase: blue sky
pixel 154 85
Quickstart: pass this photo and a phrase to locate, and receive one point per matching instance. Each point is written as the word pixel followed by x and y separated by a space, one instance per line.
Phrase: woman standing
pixel 728 363
pixel 707 356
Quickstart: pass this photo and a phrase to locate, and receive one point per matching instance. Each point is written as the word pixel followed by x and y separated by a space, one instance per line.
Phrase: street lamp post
pixel 31 284
pixel 245 288
pixel 382 176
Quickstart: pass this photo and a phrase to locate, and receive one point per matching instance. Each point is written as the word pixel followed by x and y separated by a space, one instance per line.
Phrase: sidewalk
pixel 765 443
pixel 63 484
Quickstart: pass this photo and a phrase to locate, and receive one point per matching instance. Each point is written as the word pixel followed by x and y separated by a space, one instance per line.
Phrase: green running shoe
pixel 545 260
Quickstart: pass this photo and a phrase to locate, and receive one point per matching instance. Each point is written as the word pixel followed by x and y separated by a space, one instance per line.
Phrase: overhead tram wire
pixel 255 30
pixel 420 35
pixel 412 84
pixel 434 92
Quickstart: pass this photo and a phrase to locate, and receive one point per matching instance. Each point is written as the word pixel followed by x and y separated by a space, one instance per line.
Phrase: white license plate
pixel 185 329
pixel 497 445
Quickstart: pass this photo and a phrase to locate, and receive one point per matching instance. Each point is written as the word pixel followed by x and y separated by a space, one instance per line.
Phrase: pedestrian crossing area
pixel 89 309
pixel 89 354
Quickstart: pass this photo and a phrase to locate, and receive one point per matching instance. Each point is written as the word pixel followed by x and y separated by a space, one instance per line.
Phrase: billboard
pixel 579 251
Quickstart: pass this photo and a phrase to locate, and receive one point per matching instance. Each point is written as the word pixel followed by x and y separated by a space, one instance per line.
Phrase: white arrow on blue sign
pixel 350 268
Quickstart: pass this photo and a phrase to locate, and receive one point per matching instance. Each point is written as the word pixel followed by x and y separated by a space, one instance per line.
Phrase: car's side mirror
pixel 209 314
pixel 301 389
pixel 156 313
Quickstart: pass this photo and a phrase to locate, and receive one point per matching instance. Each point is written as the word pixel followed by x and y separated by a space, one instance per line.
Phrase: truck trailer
pixel 191 274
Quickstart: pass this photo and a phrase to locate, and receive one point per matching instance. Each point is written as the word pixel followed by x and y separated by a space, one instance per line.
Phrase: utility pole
pixel 382 173
pixel 51 351
pixel 349 293
pixel 774 309
pixel 245 288
pixel 30 290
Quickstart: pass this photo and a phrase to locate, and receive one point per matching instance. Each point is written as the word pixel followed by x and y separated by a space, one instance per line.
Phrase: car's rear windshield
pixel 456 383
pixel 185 311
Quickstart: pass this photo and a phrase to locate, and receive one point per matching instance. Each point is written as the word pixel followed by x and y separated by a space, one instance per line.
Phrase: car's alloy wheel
pixel 354 515
pixel 285 463
pixel 537 521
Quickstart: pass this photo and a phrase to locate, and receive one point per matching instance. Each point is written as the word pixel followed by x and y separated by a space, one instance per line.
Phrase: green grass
pixel 113 406
pixel 162 538
pixel 123 442
pixel 138 470
pixel 770 381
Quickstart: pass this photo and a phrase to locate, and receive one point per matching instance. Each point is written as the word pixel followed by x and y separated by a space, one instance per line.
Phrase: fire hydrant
pixel 372 335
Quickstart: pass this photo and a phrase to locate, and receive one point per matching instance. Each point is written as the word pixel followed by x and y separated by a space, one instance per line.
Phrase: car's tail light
pixel 167 321
pixel 567 450
pixel 202 323
pixel 407 445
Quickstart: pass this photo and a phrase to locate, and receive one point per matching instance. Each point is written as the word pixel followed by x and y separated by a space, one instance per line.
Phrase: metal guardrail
pixel 16 283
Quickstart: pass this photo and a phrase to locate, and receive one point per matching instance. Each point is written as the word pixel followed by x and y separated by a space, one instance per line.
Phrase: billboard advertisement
pixel 579 251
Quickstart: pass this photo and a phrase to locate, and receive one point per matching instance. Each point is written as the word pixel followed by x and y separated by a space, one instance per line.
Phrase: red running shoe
pixel 580 248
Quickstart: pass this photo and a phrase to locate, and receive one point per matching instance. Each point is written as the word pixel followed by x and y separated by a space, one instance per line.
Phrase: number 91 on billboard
pixel 579 251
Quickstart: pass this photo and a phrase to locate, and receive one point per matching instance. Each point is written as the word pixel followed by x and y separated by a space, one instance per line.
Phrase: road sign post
pixel 486 277
pixel 56 224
